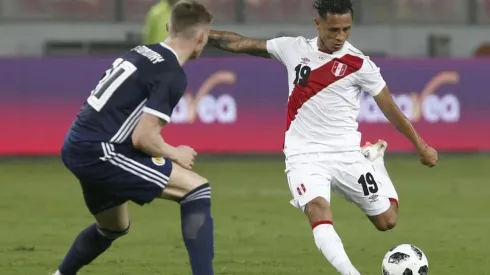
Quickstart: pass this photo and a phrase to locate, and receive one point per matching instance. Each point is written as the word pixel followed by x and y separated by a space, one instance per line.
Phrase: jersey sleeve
pixel 164 96
pixel 279 47
pixel 370 78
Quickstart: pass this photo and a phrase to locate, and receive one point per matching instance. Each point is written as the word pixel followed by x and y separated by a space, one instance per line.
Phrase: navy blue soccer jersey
pixel 147 78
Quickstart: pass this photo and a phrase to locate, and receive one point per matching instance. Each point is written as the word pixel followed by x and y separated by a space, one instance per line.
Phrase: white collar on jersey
pixel 314 43
pixel 170 49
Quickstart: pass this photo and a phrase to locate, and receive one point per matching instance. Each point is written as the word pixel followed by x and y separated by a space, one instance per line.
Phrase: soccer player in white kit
pixel 326 76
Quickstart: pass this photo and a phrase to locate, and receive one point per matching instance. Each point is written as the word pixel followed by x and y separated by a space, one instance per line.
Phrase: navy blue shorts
pixel 112 174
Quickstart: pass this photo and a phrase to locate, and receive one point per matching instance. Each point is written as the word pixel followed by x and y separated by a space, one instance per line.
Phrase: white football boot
pixel 374 151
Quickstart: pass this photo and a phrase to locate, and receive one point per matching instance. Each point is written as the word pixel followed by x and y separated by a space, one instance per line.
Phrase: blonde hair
pixel 187 14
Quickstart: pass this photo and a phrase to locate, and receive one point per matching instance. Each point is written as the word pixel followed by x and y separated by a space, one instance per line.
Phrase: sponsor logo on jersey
pixel 305 60
pixel 373 198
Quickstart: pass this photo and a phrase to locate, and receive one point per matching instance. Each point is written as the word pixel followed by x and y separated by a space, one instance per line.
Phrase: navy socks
pixel 197 229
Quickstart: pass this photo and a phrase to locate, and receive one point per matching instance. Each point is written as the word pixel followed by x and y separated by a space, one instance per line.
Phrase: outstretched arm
pixel 235 43
pixel 373 83
pixel 428 155
pixel 391 111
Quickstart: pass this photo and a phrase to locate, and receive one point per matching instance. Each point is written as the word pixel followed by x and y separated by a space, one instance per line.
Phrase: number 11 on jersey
pixel 113 78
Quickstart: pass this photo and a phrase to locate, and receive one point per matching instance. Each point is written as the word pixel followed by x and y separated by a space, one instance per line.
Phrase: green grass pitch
pixel 444 211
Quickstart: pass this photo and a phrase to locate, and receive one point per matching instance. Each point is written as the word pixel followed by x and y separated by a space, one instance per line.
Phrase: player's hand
pixel 428 156
pixel 185 156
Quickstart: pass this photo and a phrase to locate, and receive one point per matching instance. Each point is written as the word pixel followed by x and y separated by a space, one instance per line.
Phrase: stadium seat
pixel 278 10
pixel 72 9
pixel 455 11
pixel 80 9
pixel 483 10
pixel 136 10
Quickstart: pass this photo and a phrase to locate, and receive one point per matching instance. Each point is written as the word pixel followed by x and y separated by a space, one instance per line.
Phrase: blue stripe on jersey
pixel 133 166
pixel 129 125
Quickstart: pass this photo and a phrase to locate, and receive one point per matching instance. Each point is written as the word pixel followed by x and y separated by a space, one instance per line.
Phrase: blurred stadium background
pixel 434 55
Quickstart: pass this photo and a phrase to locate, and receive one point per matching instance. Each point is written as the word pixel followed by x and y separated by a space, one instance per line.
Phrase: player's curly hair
pixel 325 7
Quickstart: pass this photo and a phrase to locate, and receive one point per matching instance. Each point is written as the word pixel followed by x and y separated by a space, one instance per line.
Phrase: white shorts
pixel 348 174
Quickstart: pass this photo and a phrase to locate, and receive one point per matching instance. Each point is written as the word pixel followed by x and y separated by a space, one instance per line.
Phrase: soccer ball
pixel 405 259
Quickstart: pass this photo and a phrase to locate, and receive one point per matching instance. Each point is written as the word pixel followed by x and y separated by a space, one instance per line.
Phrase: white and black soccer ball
pixel 405 259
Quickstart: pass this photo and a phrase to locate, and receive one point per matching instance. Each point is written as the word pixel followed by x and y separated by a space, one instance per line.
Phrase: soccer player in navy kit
pixel 116 151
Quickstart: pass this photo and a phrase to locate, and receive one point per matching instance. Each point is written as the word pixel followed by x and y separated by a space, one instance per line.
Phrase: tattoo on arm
pixel 232 42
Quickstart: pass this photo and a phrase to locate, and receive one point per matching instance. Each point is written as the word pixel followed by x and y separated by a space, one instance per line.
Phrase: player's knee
pixel 192 181
pixel 182 183
pixel 318 209
pixel 113 234
pixel 202 180
pixel 198 183
pixel 202 191
pixel 386 221
pixel 386 225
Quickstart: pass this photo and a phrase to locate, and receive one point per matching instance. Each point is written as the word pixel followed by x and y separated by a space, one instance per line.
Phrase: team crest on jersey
pixel 339 69
pixel 159 161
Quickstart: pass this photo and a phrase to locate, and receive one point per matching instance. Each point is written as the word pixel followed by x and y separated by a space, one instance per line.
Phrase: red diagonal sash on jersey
pixel 319 79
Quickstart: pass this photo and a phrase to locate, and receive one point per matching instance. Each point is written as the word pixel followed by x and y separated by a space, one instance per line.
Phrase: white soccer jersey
pixel 324 94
